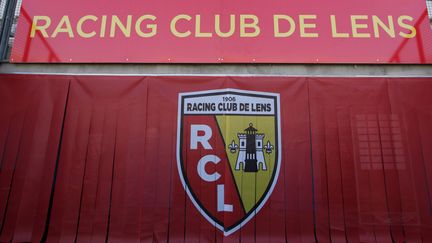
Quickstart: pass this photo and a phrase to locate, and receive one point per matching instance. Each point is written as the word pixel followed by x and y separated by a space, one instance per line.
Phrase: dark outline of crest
pixel 277 147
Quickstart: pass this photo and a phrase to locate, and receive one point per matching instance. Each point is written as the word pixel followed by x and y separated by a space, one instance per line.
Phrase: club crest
pixel 228 153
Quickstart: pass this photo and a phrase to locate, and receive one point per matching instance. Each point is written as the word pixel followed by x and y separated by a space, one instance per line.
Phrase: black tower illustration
pixel 250 157
pixel 251 160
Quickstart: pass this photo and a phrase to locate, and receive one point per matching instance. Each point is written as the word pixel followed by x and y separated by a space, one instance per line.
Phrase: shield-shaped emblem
pixel 228 153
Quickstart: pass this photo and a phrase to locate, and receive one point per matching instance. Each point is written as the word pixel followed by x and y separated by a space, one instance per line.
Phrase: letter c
pixel 80 24
pixel 201 168
pixel 174 30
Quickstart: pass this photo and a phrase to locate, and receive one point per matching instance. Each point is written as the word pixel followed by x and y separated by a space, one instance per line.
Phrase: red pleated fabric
pixel 94 159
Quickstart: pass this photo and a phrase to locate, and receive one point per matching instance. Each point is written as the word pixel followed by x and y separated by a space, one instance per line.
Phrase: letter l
pixel 221 206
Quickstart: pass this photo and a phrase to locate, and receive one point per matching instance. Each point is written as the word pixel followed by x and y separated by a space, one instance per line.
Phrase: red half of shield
pixel 221 186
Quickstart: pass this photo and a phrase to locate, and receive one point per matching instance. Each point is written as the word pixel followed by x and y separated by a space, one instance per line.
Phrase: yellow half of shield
pixel 251 185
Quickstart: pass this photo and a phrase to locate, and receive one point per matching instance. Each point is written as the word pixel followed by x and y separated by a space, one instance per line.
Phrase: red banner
pixel 223 31
pixel 154 159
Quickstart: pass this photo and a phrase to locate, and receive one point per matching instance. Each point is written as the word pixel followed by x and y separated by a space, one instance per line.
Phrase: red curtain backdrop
pixel 93 158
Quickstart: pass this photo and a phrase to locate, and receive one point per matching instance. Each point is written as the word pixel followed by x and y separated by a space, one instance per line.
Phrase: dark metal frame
pixel 6 28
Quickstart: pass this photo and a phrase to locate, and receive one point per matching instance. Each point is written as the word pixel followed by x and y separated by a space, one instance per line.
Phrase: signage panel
pixel 222 31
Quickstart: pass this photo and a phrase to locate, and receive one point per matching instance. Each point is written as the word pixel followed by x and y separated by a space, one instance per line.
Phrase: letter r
pixel 204 139
pixel 42 28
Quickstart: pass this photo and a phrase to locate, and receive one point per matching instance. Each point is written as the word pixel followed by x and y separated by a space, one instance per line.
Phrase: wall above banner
pixel 223 31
